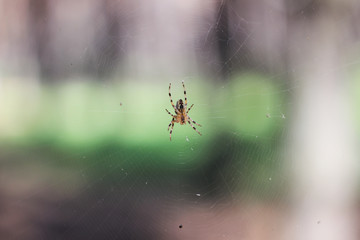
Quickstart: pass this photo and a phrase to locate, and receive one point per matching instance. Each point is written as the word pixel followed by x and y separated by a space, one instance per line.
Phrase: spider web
pixel 109 170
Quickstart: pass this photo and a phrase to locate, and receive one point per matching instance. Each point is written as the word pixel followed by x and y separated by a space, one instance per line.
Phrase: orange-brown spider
pixel 181 113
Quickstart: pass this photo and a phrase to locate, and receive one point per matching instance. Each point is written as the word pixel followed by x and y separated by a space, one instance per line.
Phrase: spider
pixel 181 112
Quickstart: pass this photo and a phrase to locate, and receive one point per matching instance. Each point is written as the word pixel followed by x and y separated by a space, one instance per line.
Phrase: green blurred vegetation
pixel 111 128
pixel 355 96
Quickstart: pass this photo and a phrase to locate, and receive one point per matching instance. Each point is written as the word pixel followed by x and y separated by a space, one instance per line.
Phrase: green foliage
pixel 254 103
pixel 122 128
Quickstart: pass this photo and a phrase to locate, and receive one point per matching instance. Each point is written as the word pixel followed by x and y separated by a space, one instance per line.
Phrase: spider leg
pixel 172 122
pixel 172 126
pixel 170 113
pixel 194 121
pixel 190 108
pixel 194 128
pixel 169 125
pixel 171 101
pixel 185 95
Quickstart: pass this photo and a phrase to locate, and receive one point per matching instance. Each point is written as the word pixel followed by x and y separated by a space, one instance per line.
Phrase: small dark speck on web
pixel 318 222
pixel 180 226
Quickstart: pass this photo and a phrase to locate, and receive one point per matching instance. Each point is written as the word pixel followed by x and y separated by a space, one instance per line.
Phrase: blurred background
pixel 84 146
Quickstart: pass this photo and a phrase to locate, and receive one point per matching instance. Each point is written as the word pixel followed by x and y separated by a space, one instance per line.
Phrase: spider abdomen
pixel 180 105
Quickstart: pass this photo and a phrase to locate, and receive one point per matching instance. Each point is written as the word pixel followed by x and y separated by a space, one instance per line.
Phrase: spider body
pixel 180 118
pixel 181 113
pixel 180 105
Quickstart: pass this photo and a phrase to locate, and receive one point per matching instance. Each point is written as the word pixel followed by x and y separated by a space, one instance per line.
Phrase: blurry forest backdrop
pixel 84 151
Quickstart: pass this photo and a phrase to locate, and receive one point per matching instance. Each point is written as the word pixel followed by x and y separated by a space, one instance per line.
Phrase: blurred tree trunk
pixel 17 57
pixel 324 165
